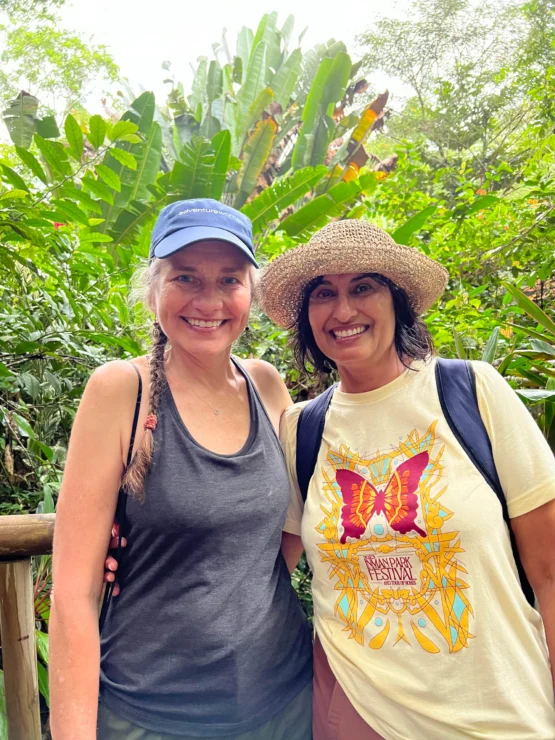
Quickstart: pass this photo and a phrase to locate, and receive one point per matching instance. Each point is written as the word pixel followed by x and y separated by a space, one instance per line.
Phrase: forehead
pixel 347 277
pixel 208 254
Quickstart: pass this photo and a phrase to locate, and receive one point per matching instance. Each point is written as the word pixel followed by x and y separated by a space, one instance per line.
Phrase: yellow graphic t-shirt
pixel 417 600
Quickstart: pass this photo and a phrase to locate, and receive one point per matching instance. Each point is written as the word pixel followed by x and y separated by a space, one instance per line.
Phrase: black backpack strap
pixel 310 428
pixel 122 499
pixel 456 386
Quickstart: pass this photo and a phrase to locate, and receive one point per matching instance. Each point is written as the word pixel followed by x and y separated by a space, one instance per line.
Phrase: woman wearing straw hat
pixel 423 630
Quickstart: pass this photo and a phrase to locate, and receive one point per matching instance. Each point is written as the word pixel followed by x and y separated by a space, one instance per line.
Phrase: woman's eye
pixel 363 288
pixel 184 279
pixel 320 294
pixel 230 281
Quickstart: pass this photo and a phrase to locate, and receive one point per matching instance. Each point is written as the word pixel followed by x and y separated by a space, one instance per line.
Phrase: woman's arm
pixel 535 538
pixel 291 549
pixel 84 516
pixel 276 399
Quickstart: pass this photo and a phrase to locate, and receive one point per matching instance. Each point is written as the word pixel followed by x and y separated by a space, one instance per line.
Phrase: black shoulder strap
pixel 310 428
pixel 122 497
pixel 456 386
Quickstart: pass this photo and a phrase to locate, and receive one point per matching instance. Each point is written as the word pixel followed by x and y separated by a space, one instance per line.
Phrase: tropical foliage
pixel 294 138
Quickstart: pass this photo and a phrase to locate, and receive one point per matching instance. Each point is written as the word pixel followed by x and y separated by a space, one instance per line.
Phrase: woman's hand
pixel 111 564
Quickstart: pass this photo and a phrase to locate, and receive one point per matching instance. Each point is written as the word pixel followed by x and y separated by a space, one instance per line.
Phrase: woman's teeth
pixel 342 333
pixel 204 324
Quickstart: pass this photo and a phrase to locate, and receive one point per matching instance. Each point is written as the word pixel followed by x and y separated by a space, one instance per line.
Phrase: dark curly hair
pixel 412 338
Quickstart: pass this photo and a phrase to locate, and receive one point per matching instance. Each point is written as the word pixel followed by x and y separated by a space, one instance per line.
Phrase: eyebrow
pixel 353 280
pixel 190 268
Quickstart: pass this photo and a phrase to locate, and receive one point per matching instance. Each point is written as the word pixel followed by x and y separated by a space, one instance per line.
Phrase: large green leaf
pixel 43 683
pixel 11 176
pixel 536 395
pixel 317 127
pixel 147 155
pixel 54 154
pixel 141 112
pixel 32 163
pixel 42 637
pixel 403 234
pixel 273 200
pixel 148 165
pixel 244 49
pixel 47 127
pixel 286 78
pixel 253 85
pixel 214 84
pixel 198 94
pixel 491 347
pixel 266 33
pixel 531 308
pixel 74 137
pixel 317 212
pixel 221 146
pixel 257 150
pixel 192 176
pixel 97 131
pixel 20 119
pixel 482 202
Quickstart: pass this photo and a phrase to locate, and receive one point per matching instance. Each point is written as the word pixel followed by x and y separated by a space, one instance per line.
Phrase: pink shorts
pixel 333 715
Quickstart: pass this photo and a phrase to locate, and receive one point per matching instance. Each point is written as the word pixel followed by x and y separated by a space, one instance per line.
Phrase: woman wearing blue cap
pixel 207 639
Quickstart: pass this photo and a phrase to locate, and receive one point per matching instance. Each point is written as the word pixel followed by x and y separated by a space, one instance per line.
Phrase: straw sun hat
pixel 342 247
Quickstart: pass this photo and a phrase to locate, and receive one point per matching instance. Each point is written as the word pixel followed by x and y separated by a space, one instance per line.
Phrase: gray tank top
pixel 207 637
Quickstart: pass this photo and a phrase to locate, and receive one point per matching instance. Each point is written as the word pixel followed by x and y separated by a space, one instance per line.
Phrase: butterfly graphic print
pixel 395 563
pixel 398 501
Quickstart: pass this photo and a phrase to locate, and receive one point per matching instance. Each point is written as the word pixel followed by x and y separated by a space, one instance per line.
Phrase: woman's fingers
pixel 114 543
pixel 111 563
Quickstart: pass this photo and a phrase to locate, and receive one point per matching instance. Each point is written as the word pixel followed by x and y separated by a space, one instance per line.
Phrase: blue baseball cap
pixel 188 221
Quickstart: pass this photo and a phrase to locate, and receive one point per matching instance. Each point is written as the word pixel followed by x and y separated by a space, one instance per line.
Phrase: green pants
pixel 294 722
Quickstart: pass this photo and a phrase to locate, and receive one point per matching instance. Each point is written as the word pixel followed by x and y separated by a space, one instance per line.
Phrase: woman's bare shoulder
pixel 117 376
pixel 269 383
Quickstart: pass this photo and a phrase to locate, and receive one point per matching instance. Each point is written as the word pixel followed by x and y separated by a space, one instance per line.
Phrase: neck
pixel 212 372
pixel 370 376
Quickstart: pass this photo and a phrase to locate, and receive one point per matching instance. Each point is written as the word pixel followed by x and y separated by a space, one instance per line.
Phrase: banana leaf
pixel 192 176
pixel 273 200
pixel 254 83
pixel 20 119
pixel 257 150
pixel 318 212
pixel 286 78
pixel 327 89
pixel 244 49
pixel 221 146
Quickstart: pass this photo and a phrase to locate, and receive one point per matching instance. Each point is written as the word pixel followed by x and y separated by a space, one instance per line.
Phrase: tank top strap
pixel 257 404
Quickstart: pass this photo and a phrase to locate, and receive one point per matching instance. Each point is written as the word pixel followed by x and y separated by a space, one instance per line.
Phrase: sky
pixel 141 34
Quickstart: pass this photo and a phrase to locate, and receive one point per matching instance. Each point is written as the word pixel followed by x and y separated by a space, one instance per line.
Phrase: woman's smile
pixel 348 333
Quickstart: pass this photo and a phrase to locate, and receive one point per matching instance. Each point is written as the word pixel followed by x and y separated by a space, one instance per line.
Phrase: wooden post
pixel 17 624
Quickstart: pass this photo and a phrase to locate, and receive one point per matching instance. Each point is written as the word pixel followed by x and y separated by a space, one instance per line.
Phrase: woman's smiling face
pixel 352 318
pixel 203 296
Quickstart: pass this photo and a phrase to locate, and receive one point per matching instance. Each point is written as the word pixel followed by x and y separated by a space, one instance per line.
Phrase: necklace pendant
pixel 216 412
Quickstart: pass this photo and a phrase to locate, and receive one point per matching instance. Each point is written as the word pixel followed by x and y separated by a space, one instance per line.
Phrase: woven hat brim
pixel 282 283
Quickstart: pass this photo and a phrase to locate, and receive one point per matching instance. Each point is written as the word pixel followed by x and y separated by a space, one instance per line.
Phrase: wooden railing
pixel 20 538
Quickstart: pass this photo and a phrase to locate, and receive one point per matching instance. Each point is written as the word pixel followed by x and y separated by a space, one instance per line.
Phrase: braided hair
pixel 134 476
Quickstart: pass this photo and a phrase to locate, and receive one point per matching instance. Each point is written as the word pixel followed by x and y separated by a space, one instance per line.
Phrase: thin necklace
pixel 215 411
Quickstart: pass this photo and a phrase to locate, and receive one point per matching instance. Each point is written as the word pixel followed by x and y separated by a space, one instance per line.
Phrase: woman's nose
pixel 344 309
pixel 208 300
